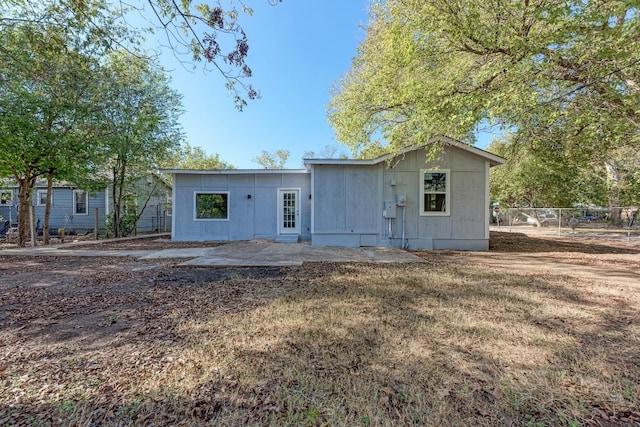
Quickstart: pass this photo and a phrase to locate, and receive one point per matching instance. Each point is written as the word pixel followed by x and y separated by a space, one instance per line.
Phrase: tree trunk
pixel 613 186
pixel 47 209
pixel 114 198
pixel 25 190
pixel 118 192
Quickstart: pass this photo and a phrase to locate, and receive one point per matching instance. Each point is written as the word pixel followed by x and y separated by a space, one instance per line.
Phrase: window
pixel 169 206
pixel 6 197
pixel 211 205
pixel 80 202
pixel 434 199
pixel 41 198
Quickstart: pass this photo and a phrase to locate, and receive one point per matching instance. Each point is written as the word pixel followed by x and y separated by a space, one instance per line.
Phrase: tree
pixel 431 67
pixel 193 157
pixel 539 175
pixel 208 32
pixel 138 126
pixel 275 160
pixel 327 152
pixel 47 77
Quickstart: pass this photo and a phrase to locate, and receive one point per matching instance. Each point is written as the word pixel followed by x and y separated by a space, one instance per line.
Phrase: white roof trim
pixel 493 159
pixel 365 162
pixel 231 171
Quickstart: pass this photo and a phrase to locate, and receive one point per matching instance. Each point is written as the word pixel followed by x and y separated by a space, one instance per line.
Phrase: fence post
pixel 95 224
pixel 629 223
pixel 559 221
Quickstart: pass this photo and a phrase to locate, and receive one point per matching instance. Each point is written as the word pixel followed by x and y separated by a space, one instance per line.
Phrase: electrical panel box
pixel 402 199
pixel 389 210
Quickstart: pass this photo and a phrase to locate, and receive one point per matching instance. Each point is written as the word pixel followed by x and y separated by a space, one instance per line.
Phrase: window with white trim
pixel 211 205
pixel 41 198
pixel 434 197
pixel 6 197
pixel 80 202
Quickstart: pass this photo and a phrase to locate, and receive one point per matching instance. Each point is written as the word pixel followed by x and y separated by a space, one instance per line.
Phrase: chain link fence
pixel 604 222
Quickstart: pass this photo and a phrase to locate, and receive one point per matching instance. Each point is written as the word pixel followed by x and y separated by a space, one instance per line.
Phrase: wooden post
pixel 95 224
pixel 32 223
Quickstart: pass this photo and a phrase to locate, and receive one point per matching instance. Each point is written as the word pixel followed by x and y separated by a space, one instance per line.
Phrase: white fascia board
pixel 232 171
pixel 493 159
pixel 311 162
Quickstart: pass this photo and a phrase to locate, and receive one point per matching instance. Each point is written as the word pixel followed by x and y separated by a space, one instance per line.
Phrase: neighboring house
pixel 74 209
pixel 71 208
pixel 151 195
pixel 401 201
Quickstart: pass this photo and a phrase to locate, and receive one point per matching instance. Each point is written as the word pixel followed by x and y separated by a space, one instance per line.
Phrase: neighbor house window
pixel 212 205
pixel 41 197
pixel 169 206
pixel 80 202
pixel 434 186
pixel 6 197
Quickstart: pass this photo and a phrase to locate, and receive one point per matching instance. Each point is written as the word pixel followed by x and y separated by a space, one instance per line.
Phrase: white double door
pixel 288 211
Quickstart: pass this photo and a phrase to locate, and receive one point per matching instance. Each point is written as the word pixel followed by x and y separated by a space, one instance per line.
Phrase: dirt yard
pixel 537 331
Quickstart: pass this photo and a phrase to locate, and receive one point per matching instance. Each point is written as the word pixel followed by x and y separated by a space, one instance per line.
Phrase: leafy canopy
pixel 209 31
pixel 431 67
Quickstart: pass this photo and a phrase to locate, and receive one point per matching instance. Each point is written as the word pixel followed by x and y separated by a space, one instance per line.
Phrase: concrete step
pixel 287 238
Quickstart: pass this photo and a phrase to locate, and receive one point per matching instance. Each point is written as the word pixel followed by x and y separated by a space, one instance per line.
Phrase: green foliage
pixel 209 32
pixel 194 157
pixel 533 176
pixel 137 126
pixel 539 174
pixel 45 105
pixel 212 206
pixel 432 67
pixel 73 109
pixel 275 160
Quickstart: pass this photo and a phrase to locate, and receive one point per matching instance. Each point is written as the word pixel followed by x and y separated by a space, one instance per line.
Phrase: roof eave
pixel 230 171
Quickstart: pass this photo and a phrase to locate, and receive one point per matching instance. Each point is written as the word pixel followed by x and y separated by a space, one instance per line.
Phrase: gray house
pixel 71 208
pixel 74 209
pixel 401 201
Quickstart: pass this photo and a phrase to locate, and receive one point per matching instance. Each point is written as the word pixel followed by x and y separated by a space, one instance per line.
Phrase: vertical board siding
pixel 249 217
pixel 347 201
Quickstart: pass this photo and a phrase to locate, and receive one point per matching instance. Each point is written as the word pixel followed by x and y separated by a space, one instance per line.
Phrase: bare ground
pixel 538 331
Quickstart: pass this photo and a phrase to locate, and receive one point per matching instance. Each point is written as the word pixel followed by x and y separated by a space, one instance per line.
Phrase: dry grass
pixel 450 342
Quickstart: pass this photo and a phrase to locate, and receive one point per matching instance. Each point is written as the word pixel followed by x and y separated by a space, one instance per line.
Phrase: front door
pixel 288 211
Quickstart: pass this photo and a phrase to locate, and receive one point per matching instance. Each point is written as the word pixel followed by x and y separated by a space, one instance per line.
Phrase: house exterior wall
pixel 248 218
pixel 8 209
pixel 62 212
pixel 347 205
pixel 349 201
pixel 153 218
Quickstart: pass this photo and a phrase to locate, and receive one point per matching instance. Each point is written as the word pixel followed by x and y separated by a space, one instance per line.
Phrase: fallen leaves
pixel 122 342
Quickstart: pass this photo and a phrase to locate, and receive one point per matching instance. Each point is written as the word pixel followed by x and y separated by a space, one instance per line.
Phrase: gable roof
pixel 493 159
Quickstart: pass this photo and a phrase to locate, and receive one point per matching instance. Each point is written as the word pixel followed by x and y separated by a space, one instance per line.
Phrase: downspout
pixel 404 245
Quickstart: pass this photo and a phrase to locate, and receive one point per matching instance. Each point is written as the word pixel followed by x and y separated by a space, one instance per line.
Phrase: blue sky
pixel 298 50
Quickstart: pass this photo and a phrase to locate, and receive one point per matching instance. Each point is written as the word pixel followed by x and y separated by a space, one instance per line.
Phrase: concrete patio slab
pixel 254 253
pixel 265 253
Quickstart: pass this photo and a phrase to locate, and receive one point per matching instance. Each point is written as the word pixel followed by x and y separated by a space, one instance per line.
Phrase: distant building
pixel 73 208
